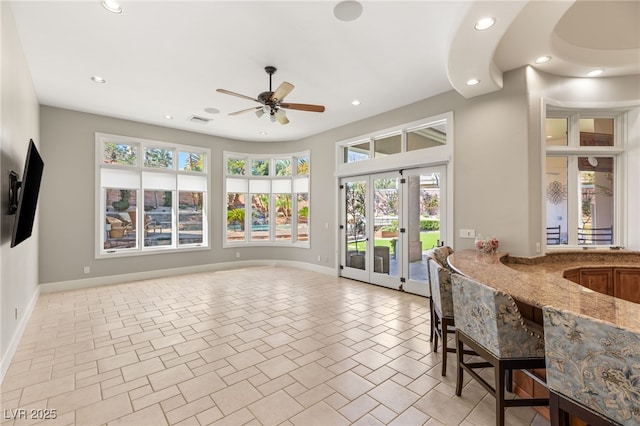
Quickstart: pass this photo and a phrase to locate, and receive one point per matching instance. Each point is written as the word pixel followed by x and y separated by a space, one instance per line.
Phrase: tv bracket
pixel 14 186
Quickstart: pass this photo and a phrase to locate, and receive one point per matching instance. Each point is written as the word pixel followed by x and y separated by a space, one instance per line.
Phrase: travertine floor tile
pixel 275 408
pixel 255 346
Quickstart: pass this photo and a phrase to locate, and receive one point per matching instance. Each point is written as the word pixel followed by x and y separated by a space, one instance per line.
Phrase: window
pixel 268 201
pixel 584 151
pixel 427 134
pixel 358 151
pixel 152 196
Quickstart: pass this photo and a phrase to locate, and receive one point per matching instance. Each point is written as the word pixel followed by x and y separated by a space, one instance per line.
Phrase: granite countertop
pixel 538 281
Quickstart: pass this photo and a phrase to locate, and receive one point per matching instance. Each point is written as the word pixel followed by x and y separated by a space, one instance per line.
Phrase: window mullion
pixel 294 215
pixel 573 131
pixel 573 199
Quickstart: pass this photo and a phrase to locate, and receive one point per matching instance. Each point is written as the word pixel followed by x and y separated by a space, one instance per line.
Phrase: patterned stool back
pixel 440 279
pixel 441 254
pixel 594 363
pixel 492 319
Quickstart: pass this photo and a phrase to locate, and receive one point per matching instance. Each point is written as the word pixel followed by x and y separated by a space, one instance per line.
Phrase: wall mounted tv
pixel 23 195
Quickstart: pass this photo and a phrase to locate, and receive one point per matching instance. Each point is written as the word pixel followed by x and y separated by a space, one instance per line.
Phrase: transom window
pixel 151 196
pixel 267 199
pixel 424 134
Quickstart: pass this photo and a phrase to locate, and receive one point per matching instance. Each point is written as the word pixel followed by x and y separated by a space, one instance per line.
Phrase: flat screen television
pixel 23 195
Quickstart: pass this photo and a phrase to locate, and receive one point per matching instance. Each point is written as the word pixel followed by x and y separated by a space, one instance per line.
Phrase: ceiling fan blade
pixel 282 119
pixel 304 107
pixel 245 110
pixel 283 90
pixel 228 92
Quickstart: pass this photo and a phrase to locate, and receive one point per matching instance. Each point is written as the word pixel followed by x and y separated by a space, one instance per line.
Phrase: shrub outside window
pixel 152 196
pixel 267 203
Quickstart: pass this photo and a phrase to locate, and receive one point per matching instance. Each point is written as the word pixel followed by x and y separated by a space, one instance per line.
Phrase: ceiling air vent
pixel 199 120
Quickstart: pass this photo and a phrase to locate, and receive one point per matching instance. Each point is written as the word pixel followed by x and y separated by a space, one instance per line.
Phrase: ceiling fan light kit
pixel 272 101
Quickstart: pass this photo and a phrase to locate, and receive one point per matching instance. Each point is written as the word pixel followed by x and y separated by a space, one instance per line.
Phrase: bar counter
pixel 539 281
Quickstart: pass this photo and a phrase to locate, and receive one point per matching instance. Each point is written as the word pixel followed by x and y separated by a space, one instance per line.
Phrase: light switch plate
pixel 467 233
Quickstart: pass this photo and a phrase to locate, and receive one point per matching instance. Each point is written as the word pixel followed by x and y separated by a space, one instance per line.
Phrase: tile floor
pixel 258 346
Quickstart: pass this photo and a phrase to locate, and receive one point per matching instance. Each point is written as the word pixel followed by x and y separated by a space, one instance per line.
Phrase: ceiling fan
pixel 272 101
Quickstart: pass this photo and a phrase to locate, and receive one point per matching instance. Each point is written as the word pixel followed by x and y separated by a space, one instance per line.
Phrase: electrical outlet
pixel 467 233
pixel 319 258
pixel 237 254
pixel 87 269
pixel 537 247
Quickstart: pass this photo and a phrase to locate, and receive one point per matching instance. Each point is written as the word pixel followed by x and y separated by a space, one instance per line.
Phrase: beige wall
pixel 485 146
pixel 67 199
pixel 19 123
pixel 497 177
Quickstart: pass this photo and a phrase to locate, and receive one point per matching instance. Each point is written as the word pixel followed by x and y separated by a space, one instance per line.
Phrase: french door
pixel 388 223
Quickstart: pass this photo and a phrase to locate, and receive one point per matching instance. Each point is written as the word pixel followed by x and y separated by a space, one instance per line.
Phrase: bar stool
pixel 442 309
pixel 442 317
pixel 489 322
pixel 440 254
pixel 593 369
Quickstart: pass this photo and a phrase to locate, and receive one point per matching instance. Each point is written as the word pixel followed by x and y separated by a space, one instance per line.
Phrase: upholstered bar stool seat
pixel 489 322
pixel 442 317
pixel 593 370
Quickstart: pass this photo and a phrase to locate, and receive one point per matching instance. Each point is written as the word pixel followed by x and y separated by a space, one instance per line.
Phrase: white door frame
pixel 402 280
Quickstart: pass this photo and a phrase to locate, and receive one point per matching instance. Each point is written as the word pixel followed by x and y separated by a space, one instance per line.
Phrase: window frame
pixel 272 159
pixel 433 155
pixel 139 168
pixel 571 152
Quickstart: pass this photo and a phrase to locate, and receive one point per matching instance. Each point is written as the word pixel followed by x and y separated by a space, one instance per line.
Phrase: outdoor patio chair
pixel 148 223
pixel 595 235
pixel 553 235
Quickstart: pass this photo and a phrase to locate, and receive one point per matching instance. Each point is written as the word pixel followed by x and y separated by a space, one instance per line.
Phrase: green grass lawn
pixel 429 240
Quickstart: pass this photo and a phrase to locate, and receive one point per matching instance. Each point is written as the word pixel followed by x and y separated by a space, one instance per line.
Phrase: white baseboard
pixel 7 357
pixel 136 276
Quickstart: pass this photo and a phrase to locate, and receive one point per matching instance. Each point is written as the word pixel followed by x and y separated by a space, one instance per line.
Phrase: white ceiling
pixel 169 57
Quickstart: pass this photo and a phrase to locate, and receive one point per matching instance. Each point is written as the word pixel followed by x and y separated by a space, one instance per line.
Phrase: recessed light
pixel 112 6
pixel 98 79
pixel 348 10
pixel 542 59
pixel 355 102
pixel 168 117
pixel 472 82
pixel 595 73
pixel 484 24
pixel 212 110
pixel 263 133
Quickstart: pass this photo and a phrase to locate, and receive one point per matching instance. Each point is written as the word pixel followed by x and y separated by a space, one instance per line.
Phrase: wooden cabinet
pixel 597 279
pixel 626 284
pixel 572 275
pixel 623 283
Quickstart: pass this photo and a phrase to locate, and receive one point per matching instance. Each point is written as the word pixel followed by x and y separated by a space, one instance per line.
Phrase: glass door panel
pixel 386 224
pixel 423 212
pixel 354 232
